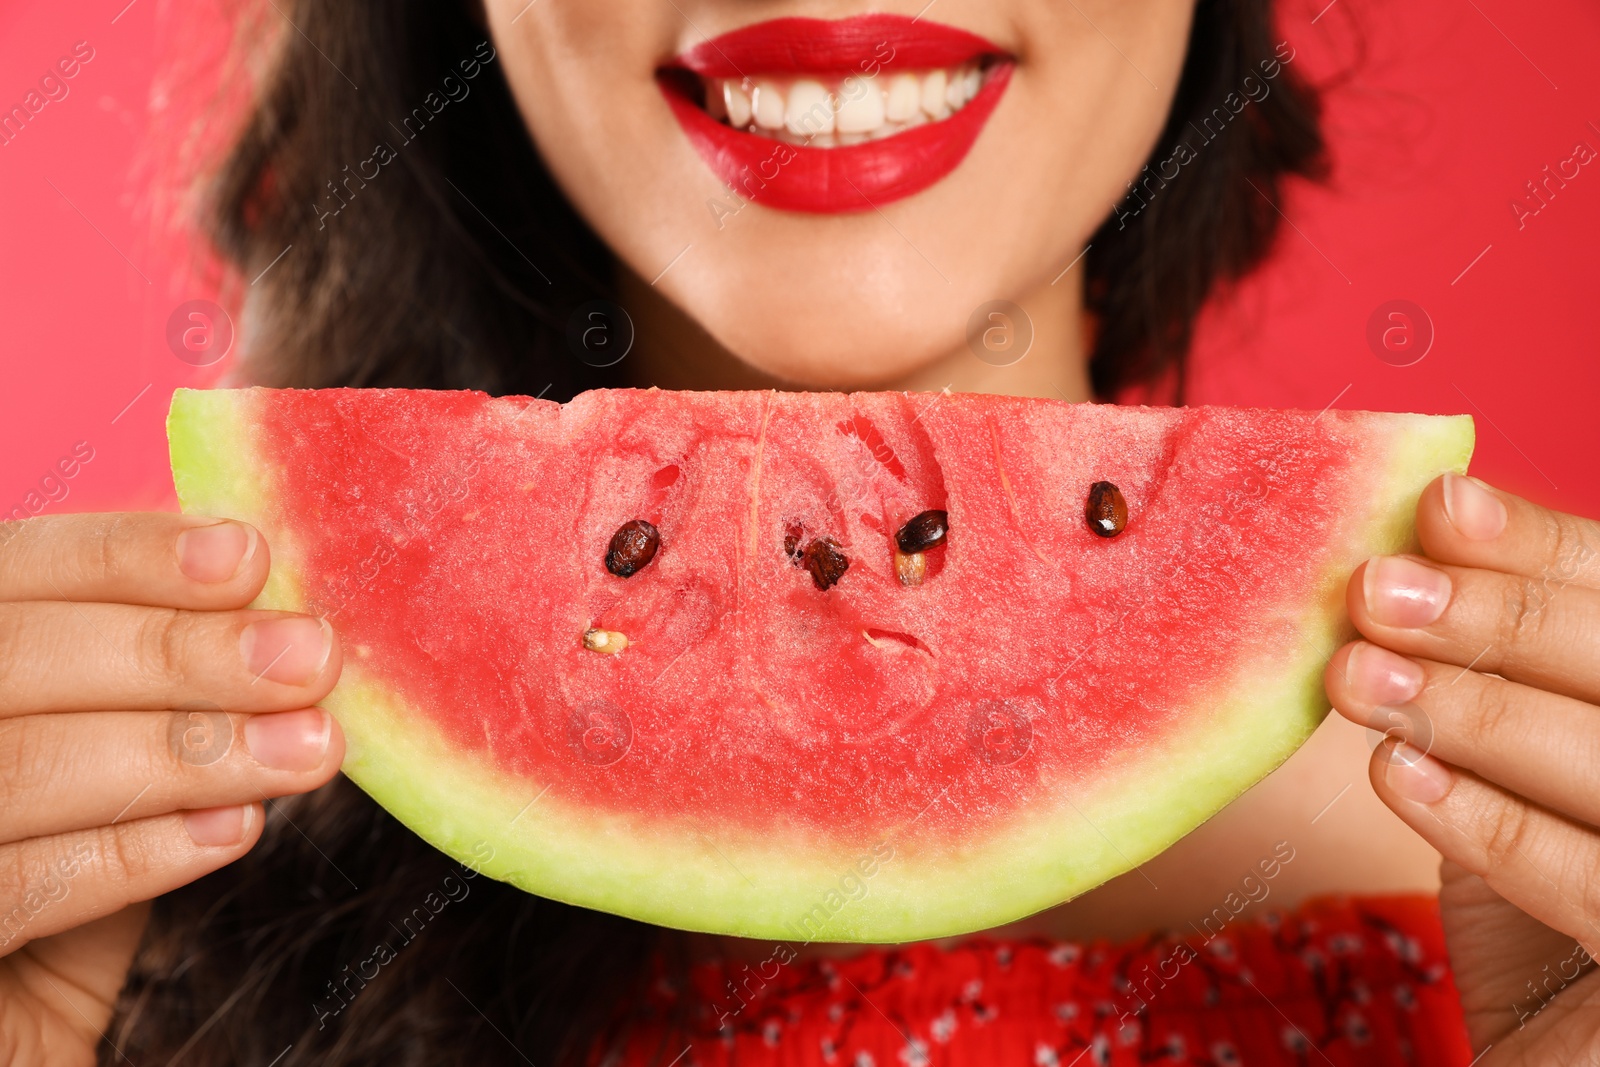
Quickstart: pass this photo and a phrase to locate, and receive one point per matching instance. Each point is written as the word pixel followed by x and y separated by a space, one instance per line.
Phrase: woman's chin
pixel 845 360
pixel 843 370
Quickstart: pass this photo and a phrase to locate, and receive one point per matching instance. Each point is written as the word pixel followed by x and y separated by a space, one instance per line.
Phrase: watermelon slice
pixel 724 740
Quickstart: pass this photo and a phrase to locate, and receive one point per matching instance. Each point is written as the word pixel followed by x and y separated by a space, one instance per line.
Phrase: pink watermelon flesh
pixel 867 762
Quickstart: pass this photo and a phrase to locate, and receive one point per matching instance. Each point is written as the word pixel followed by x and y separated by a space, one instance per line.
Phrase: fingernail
pixel 215 553
pixel 289 740
pixel 1378 676
pixel 1415 775
pixel 1472 509
pixel 1402 592
pixel 216 827
pixel 291 651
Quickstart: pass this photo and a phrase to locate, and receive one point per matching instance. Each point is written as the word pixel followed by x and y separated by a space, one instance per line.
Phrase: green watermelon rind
pixel 520 832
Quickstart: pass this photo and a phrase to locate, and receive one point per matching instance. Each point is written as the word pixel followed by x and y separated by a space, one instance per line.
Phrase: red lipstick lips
pixel 782 169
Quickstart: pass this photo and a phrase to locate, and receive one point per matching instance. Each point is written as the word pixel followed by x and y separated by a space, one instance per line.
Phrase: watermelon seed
pixel 825 562
pixel 925 531
pixel 608 641
pixel 1106 511
pixel 632 547
pixel 910 568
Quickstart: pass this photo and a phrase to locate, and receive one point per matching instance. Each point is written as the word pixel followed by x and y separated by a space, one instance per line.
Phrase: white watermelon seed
pixel 910 567
pixel 608 641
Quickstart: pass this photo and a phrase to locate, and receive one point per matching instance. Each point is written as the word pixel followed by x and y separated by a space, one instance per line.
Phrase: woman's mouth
pixel 841 111
pixel 835 116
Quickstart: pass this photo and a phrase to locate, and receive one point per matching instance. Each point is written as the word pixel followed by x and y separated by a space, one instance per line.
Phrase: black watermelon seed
pixel 1106 511
pixel 926 531
pixel 825 562
pixel 632 547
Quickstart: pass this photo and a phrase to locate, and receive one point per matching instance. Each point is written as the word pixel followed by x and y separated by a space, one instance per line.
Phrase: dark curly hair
pixel 412 285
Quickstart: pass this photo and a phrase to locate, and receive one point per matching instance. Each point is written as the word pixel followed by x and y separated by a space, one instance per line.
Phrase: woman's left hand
pixel 1482 665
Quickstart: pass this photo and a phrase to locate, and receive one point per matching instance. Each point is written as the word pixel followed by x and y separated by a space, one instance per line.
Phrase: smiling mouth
pixel 840 111
pixel 833 116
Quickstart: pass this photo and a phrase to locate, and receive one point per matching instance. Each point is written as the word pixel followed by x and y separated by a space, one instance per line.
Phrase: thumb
pixel 79 972
pixel 1507 964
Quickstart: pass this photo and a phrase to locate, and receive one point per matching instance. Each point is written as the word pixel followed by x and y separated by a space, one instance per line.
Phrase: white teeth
pixel 861 107
pixel 767 105
pixel 905 97
pixel 956 94
pixel 934 88
pixel 810 108
pixel 851 110
pixel 735 104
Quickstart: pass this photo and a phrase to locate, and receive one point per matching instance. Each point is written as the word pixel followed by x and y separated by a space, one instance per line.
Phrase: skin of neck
pixel 672 351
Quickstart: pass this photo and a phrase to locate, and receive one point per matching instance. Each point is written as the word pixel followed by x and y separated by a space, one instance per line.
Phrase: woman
pixel 424 194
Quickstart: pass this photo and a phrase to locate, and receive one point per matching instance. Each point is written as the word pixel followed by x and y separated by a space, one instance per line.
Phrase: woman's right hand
pixel 144 716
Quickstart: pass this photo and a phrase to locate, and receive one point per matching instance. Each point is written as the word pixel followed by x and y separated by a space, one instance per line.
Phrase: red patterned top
pixel 1337 982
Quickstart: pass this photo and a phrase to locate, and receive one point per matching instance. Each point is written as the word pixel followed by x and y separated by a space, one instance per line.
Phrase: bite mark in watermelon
pixel 867 762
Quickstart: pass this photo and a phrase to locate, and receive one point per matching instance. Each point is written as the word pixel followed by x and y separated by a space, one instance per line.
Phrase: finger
pixel 1542 634
pixel 1495 948
pixel 60 773
pixel 1463 521
pixel 93 960
pixel 162 560
pixel 1564 1029
pixel 50 884
pixel 1543 863
pixel 87 657
pixel 1539 745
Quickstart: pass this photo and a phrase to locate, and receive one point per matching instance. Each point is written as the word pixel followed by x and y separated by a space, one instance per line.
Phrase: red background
pixel 1451 107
